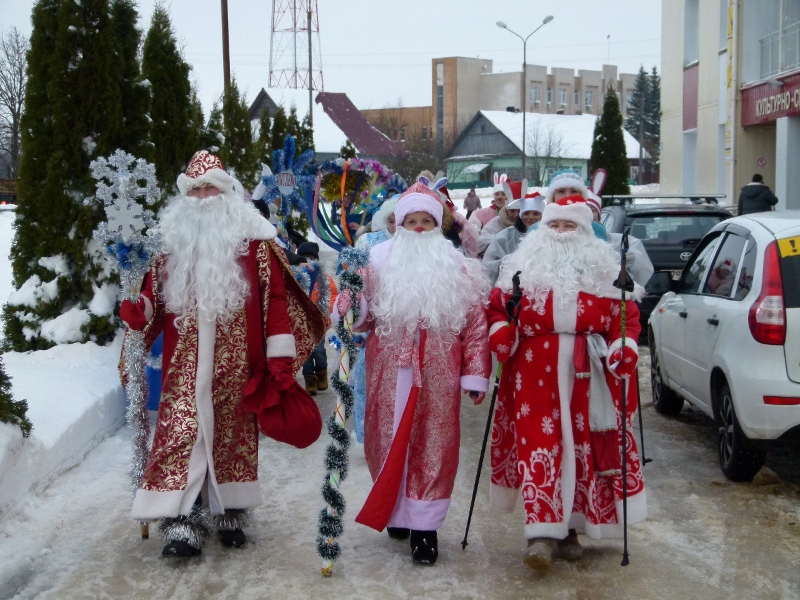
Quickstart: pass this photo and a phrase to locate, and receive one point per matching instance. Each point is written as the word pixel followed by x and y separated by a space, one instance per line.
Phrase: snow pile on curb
pixel 75 400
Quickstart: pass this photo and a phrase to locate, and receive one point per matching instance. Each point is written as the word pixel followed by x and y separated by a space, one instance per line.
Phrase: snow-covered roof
pixel 328 138
pixel 576 132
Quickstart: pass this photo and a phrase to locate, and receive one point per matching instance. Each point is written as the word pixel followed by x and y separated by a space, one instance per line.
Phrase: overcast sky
pixel 379 52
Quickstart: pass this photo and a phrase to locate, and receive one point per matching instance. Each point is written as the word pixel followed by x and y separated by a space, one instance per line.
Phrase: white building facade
pixel 730 97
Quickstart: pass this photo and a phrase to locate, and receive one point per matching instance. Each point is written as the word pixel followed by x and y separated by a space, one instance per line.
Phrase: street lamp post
pixel 502 25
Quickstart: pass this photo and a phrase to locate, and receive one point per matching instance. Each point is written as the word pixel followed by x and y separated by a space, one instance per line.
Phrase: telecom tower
pixel 295 60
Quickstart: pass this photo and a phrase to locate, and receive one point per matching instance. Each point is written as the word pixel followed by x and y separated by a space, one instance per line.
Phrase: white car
pixel 727 338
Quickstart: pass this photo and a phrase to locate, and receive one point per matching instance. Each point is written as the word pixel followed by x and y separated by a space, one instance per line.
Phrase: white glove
pixel 630 259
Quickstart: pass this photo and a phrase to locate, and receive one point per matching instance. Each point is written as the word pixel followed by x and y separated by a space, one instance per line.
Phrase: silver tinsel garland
pixel 133 244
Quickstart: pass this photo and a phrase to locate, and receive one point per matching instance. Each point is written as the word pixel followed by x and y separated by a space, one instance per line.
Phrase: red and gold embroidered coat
pixel 541 440
pixel 201 431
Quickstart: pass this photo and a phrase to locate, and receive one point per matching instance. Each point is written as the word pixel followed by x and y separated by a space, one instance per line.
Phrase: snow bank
pixel 74 401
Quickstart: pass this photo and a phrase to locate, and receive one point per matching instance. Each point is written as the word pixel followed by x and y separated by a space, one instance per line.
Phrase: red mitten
pixel 133 314
pixel 503 342
pixel 281 371
pixel 622 361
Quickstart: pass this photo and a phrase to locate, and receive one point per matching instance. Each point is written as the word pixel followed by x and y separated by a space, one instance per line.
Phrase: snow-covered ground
pixel 74 400
pixel 69 533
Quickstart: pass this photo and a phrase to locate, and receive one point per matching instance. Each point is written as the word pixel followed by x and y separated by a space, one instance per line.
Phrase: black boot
pixel 398 533
pixel 424 547
pixel 185 534
pixel 180 549
pixel 229 526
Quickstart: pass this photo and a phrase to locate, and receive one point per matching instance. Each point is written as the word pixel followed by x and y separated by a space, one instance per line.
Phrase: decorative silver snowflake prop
pixel 132 240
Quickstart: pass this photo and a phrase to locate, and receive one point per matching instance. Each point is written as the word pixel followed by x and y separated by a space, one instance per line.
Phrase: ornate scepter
pixel 336 460
pixel 131 242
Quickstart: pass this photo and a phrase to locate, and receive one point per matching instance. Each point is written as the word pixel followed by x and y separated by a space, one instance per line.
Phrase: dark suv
pixel 669 232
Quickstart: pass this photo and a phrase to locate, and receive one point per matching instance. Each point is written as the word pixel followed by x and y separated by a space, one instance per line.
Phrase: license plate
pixel 675 274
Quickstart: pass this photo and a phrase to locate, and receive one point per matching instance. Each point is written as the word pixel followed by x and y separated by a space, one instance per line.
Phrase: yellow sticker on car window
pixel 789 246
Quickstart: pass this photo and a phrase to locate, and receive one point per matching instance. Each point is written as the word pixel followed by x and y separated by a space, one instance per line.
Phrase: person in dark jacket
pixel 756 197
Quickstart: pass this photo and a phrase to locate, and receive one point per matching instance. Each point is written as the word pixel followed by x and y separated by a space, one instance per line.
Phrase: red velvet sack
pixel 285 411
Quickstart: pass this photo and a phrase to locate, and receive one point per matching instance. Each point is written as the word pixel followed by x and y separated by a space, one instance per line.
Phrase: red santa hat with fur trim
pixel 571 208
pixel 419 198
pixel 206 169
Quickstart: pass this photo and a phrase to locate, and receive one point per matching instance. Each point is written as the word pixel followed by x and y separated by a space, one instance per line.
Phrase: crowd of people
pixel 530 279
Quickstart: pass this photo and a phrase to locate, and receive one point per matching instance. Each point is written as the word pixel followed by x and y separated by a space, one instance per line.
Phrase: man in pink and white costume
pixel 423 305
pixel 557 426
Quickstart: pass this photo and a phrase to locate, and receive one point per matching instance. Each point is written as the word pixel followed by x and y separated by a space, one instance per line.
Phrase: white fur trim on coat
pixel 281 345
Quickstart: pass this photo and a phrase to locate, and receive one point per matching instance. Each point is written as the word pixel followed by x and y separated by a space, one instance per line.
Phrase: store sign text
pixel 778 103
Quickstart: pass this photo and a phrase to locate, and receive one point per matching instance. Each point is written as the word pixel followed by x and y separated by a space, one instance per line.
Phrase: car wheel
pixel 665 400
pixel 739 461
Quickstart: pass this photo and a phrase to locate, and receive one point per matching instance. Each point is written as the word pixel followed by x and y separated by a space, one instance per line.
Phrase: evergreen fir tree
pixel 347 150
pixel 293 122
pixel 264 144
pixel 637 104
pixel 12 411
pixel 278 131
pixel 75 115
pixel 134 91
pixel 239 151
pixel 305 140
pixel 653 117
pixel 608 146
pixel 197 122
pixel 172 131
pixel 213 138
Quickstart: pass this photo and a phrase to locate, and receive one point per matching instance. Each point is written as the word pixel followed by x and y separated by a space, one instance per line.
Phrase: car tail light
pixel 781 400
pixel 767 317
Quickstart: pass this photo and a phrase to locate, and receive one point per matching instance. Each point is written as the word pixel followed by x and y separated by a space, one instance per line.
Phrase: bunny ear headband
pixel 599 178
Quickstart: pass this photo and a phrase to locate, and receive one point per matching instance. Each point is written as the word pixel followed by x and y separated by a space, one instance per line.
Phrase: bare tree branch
pixel 13 77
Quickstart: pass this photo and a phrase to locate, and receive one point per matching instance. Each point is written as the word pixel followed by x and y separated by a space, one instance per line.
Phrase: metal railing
pixel 780 51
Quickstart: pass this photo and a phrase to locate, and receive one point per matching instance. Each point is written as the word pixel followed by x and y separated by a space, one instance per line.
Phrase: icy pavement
pixel 705 537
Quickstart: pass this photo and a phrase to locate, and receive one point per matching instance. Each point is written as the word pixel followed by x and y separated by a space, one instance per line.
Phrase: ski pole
pixel 641 423
pixel 483 452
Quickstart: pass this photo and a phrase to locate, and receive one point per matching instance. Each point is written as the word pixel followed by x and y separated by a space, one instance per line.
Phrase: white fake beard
pixel 426 283
pixel 204 239
pixel 564 263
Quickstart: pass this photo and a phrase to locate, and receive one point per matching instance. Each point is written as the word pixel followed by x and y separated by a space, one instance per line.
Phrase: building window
pixel 402 134
pixel 562 96
pixel 577 98
pixel 549 96
pixel 424 133
pixel 589 98
pixel 483 128
pixel 533 94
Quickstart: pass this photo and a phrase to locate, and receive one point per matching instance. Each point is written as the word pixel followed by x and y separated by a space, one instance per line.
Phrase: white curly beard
pixel 426 283
pixel 564 263
pixel 204 239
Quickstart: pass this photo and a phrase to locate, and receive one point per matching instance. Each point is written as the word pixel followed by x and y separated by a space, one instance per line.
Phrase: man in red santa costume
pixel 227 304
pixel 557 426
pixel 423 305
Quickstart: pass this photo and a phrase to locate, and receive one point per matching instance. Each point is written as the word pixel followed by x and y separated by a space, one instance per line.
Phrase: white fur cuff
pixel 281 345
pixel 148 308
pixel 473 383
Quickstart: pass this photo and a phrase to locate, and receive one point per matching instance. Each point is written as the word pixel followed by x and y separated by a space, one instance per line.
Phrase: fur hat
pixel 308 249
pixel 380 216
pixel 498 182
pixel 566 179
pixel 593 200
pixel 419 198
pixel 571 208
pixel 206 169
pixel 533 201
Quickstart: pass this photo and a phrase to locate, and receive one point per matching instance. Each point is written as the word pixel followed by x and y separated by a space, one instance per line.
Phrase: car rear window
pixel 671 229
pixel 789 251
